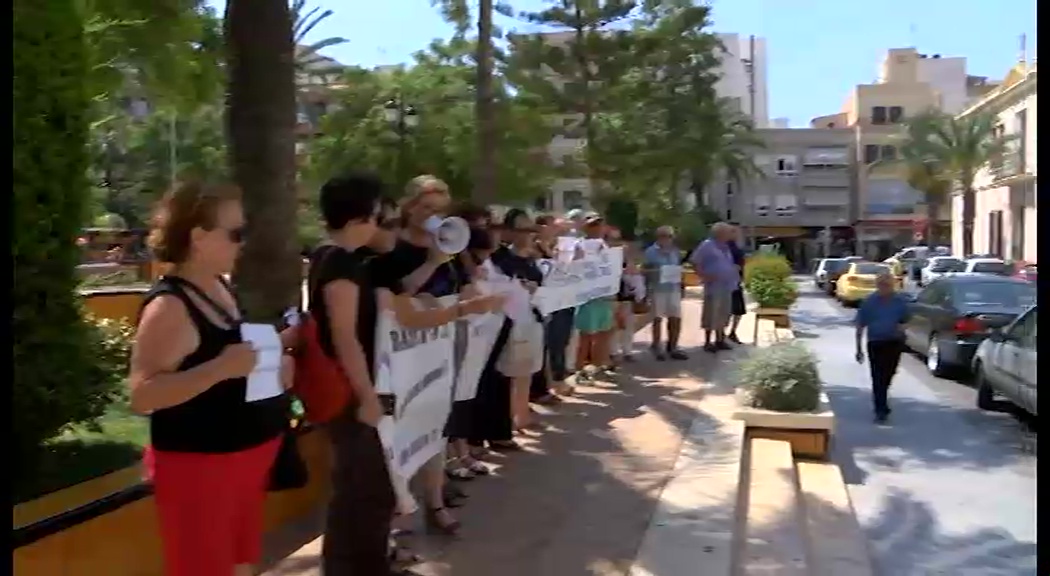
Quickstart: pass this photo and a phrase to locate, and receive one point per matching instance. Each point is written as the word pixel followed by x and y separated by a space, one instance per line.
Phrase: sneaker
pixel 733 338
pixel 677 355
pixel 881 418
pixel 711 348
pixel 721 345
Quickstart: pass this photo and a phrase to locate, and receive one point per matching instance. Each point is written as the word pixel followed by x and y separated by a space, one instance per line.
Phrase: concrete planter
pixel 809 433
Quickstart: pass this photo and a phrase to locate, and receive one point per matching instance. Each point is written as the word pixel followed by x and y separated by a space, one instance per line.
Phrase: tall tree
pixel 955 148
pixel 577 68
pixel 484 108
pixel 260 123
pixel 308 59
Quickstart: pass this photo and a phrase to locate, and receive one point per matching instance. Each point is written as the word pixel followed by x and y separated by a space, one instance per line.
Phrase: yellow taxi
pixel 858 281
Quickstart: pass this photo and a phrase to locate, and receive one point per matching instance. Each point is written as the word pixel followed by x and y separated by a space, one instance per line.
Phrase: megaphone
pixel 451 235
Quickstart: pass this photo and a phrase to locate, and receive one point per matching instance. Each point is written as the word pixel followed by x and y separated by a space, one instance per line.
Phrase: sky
pixel 817 50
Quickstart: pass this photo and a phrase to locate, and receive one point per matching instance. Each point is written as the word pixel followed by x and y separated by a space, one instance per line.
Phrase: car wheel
pixel 934 363
pixel 985 394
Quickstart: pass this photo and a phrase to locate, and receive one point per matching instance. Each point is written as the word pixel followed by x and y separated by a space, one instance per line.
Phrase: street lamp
pixel 402 118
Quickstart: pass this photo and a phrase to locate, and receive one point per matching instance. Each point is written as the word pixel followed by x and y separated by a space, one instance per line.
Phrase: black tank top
pixel 218 420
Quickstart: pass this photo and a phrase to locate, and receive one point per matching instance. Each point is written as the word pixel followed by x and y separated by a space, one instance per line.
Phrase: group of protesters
pixel 212 451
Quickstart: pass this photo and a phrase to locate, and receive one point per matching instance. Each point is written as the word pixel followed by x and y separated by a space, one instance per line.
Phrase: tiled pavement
pixel 578 501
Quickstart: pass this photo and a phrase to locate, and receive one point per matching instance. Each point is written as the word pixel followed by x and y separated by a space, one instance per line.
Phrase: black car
pixel 951 316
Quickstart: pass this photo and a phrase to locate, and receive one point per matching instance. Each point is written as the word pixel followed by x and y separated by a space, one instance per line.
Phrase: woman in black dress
pixel 737 307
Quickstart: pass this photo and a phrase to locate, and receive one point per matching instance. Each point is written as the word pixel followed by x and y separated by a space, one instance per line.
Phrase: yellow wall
pixel 124 542
pixel 119 304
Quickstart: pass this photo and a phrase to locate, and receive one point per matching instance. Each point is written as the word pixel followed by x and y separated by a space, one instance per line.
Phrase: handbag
pixel 289 471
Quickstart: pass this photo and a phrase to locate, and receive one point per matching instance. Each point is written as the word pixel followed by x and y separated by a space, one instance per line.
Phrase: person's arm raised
pixel 409 316
pixel 164 338
pixel 341 299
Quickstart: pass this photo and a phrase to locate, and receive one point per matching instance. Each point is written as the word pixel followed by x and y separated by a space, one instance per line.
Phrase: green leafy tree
pixel 953 149
pixel 57 381
pixel 308 59
pixel 942 150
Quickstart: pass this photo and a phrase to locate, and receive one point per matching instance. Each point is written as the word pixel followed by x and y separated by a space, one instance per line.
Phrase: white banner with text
pixel 570 284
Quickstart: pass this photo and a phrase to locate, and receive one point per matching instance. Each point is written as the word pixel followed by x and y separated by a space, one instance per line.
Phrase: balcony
pixel 1009 165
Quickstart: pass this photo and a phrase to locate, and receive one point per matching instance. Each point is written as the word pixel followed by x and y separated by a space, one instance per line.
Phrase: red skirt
pixel 210 507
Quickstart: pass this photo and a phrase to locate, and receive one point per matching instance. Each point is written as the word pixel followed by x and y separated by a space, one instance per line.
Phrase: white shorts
pixel 523 355
pixel 667 304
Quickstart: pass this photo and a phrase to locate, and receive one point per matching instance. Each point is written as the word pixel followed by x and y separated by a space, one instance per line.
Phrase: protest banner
pixel 417 367
pixel 482 331
pixel 566 285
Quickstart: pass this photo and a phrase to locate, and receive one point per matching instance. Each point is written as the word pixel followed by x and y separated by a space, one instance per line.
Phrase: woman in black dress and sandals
pixel 737 306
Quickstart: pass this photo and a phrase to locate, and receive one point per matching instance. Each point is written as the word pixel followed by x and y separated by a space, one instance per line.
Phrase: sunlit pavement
pixel 944 488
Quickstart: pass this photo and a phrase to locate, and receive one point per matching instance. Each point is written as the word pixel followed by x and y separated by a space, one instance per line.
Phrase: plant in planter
pixel 767 278
pixel 782 378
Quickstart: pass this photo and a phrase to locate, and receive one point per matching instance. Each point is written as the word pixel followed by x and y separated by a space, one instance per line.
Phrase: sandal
pixel 460 473
pixel 478 468
pixel 505 446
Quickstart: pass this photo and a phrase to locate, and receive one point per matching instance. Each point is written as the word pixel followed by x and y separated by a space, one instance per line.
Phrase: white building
pixel 743 68
pixel 1006 200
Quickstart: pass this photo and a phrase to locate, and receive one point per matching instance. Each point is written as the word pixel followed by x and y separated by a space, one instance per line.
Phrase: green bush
pixel 58 380
pixel 767 278
pixel 783 377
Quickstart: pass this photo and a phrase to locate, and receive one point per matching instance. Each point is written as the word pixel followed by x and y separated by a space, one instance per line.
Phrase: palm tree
pixel 943 150
pixel 308 60
pixel 730 147
pixel 260 124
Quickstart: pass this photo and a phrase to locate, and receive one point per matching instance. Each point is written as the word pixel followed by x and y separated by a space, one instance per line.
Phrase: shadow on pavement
pixel 578 500
pixel 906 534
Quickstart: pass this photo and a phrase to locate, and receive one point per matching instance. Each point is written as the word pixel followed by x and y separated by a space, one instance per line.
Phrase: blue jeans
pixel 559 332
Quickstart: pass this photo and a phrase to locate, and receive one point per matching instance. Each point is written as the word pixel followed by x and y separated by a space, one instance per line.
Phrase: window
pixel 1024 330
pixel 826 157
pixel 572 199
pixel 761 205
pixel 729 214
pixel 785 205
pixel 1021 122
pixel 888 152
pixel 878 115
pixel 871 153
pixel 933 294
pixel 786 165
pixel 995 294
pixel 729 188
pixel 896 114
pixel 831 124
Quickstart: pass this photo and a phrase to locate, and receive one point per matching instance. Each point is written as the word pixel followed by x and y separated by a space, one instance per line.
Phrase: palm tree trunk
pixel 260 124
pixel 484 110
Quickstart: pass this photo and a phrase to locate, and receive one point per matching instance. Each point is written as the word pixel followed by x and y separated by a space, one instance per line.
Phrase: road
pixel 943 489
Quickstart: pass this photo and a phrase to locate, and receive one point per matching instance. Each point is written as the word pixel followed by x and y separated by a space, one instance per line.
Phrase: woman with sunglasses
pixel 523 357
pixel 211 450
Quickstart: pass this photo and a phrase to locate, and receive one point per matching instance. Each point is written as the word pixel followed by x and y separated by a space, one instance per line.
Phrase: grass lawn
pixel 81 454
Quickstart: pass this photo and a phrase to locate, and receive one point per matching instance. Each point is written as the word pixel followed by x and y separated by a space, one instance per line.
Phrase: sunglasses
pixel 236 235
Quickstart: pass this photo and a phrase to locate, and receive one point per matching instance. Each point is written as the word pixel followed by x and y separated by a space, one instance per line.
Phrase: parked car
pixel 995 266
pixel 822 268
pixel 838 268
pixel 907 261
pixel 1005 365
pixel 939 266
pixel 859 281
pixel 1025 271
pixel 954 314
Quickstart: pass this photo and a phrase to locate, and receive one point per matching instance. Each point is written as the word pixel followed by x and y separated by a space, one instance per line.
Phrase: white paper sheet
pixel 670 274
pixel 592 245
pixel 636 284
pixel 265 379
pixel 567 248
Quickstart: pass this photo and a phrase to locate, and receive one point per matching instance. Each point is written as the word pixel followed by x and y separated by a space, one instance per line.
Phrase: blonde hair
pixel 421 186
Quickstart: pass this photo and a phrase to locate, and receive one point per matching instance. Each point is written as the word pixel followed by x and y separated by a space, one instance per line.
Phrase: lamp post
pixel 402 118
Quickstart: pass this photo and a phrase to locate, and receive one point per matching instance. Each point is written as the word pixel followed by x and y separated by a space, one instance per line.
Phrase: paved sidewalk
pixel 578 501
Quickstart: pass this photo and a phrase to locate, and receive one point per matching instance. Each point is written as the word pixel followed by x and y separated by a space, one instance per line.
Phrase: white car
pixel 987 266
pixel 1005 365
pixel 939 266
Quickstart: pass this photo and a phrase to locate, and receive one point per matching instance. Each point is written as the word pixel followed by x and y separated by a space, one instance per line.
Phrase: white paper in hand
pixel 265 379
pixel 670 274
pixel 566 248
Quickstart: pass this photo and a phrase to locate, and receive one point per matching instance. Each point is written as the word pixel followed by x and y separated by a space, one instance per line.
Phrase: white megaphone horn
pixel 451 235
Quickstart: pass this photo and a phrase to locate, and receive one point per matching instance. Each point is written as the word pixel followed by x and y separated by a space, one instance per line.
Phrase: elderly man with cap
pixel 666 296
pixel 720 276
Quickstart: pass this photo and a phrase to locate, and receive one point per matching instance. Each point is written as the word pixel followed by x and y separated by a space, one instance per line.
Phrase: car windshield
pixel 868 269
pixel 947 265
pixel 1005 294
pixel 991 267
pixel 834 264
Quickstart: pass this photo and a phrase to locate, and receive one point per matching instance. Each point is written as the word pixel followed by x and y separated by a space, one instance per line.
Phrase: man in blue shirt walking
pixel 882 315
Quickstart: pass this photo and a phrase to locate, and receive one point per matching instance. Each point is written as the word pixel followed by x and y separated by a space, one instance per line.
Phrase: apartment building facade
pixel 803 198
pixel 1006 200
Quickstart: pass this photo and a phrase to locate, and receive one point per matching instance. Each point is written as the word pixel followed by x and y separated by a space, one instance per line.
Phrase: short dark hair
pixel 512 215
pixel 544 220
pixel 472 212
pixel 349 198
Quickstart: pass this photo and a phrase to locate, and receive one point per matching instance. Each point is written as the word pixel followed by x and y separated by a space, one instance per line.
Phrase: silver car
pixel 939 266
pixel 1005 365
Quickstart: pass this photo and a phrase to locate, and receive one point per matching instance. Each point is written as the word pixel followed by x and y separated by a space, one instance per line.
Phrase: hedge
pixel 58 377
